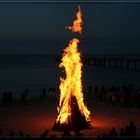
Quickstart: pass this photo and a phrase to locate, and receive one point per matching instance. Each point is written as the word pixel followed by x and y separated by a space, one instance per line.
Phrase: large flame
pixel 72 84
pixel 77 24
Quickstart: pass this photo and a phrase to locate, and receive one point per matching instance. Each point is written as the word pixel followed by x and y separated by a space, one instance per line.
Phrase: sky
pixel 40 28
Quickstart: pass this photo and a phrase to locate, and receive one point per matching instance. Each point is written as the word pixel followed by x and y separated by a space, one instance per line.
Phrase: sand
pixel 34 118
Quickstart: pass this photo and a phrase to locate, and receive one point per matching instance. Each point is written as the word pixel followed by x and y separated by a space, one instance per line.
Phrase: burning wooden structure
pixel 73 115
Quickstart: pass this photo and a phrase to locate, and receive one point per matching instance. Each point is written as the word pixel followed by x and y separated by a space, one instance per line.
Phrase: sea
pixel 36 72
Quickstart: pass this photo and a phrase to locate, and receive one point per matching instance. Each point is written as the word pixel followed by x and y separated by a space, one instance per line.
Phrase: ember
pixel 72 112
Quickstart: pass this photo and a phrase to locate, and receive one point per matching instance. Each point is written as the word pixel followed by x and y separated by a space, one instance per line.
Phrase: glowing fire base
pixel 76 121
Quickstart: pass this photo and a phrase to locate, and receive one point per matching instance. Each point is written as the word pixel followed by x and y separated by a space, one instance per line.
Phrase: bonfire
pixel 73 115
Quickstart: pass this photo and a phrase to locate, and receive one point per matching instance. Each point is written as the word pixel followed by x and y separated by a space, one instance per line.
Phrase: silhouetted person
pixel 127 131
pixel 104 135
pixel 122 133
pixel 101 93
pixel 110 97
pixel 52 90
pixel 138 100
pixel 23 98
pixel 53 136
pixel 122 99
pixel 45 134
pixel 66 133
pixel 5 98
pixel 26 92
pixel 11 134
pixel 21 134
pixel 98 136
pixel 127 97
pixel 1 133
pixel 40 97
pixel 28 136
pixel 113 132
pixel 78 133
pixel 10 97
pixel 132 128
pixel 44 92
pixel 113 99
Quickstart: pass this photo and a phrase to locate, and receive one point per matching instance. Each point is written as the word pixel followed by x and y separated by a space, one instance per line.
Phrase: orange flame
pixel 77 24
pixel 72 84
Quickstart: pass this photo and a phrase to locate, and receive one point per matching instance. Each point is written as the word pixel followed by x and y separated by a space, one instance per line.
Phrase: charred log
pixel 76 121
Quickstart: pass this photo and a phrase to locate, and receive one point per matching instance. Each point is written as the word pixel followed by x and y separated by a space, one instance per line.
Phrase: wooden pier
pixel 118 61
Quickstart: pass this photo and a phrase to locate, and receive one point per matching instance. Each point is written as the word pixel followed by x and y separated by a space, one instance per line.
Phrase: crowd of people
pixel 126 96
pixel 7 97
pixel 128 131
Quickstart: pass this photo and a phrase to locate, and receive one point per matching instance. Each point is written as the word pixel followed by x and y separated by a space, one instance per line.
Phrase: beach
pixel 34 118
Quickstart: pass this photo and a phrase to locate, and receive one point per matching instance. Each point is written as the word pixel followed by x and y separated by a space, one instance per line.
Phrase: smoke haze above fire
pixel 40 29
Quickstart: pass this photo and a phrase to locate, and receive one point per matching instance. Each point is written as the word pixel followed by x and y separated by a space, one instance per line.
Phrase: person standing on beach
pixel 113 99
pixel 5 98
pixel 26 94
pixel 10 97
pixel 122 99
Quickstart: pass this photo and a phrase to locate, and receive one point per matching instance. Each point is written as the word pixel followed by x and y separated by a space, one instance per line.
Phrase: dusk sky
pixel 40 29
